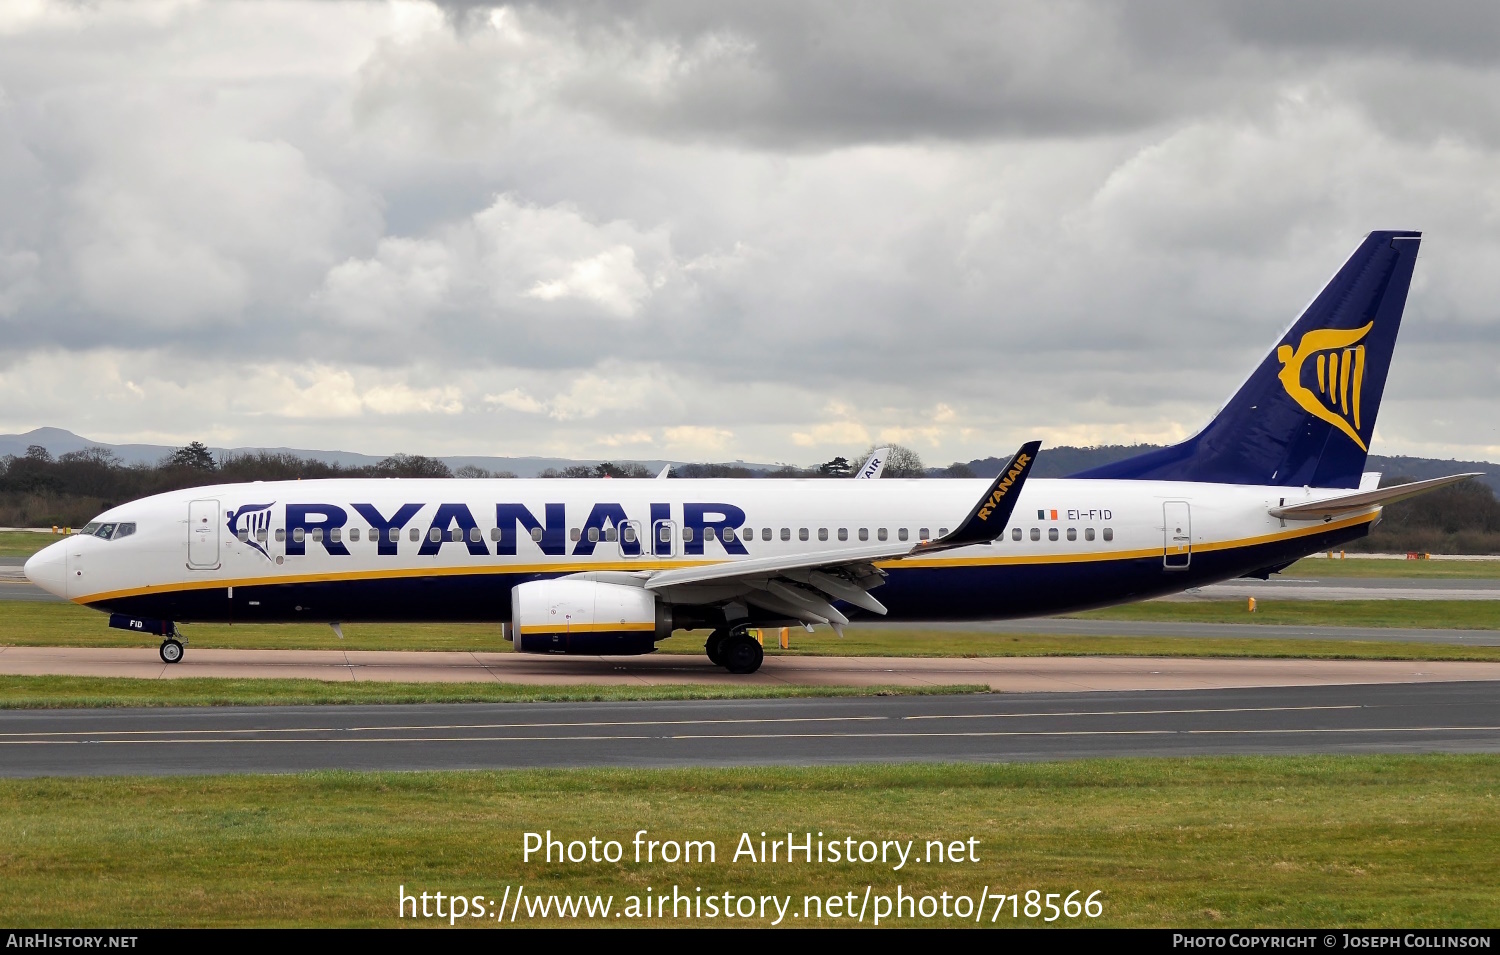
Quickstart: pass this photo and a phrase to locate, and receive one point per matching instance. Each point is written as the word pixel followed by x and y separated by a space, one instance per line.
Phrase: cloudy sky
pixel 772 231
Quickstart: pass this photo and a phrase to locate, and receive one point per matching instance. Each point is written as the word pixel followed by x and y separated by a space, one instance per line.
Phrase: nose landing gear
pixel 171 650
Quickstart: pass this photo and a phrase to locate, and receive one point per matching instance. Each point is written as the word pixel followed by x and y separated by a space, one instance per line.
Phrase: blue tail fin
pixel 1306 415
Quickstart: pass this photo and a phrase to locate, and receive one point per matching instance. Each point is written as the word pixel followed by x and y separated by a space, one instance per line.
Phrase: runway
pixel 1408 718
pixel 1004 674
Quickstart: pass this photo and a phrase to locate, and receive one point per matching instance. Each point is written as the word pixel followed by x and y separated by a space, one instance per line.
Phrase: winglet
pixel 988 518
pixel 874 464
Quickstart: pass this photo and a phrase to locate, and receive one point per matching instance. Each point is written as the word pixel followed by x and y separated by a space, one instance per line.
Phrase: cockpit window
pixel 88 529
pixel 124 530
pixel 105 531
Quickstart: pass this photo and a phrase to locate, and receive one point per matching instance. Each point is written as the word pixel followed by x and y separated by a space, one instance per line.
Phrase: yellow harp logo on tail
pixel 1340 376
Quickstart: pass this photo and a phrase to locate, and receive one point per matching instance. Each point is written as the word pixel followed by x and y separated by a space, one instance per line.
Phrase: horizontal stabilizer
pixel 1345 503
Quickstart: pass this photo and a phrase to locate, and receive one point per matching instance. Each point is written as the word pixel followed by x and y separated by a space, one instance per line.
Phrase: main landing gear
pixel 734 650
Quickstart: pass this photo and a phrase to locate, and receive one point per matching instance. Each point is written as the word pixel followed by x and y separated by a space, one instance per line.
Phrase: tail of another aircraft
pixel 1306 415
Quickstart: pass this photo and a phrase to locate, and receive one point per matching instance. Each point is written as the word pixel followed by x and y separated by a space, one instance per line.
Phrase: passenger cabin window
pixel 881 534
pixel 593 535
pixel 1052 533
pixel 822 533
pixel 629 533
pixel 415 535
pixel 317 535
pixel 336 534
pixel 1072 533
pixel 864 533
pixel 456 534
pixel 243 534
pixel 786 533
pixel 392 534
pixel 1015 533
pixel 664 534
pixel 942 532
pixel 575 534
pixel 611 535
pixel 1036 533
pixel 687 534
pixel 1109 534
pixel 475 535
pixel 280 534
pixel 1088 533
pixel 802 533
pixel 765 533
pixel 924 534
pixel 354 534
pixel 728 533
pixel 536 534
pixel 901 534
pixel 299 535
pixel 708 533
pixel 843 533
pixel 260 535
pixel 434 535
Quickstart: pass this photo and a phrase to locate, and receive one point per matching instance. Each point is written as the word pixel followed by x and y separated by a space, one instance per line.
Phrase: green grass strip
pixel 57 692
pixel 1419 614
pixel 1311 841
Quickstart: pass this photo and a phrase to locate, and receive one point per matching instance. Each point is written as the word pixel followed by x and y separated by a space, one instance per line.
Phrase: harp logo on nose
pixel 251 524
pixel 1333 362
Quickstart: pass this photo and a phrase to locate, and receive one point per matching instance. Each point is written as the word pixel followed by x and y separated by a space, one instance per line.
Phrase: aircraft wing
pixel 804 586
pixel 1332 507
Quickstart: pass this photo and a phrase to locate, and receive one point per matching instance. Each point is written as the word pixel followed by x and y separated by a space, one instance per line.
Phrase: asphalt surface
pixel 1418 718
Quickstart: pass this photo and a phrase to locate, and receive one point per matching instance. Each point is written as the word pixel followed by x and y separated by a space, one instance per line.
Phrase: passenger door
pixel 1177 535
pixel 203 535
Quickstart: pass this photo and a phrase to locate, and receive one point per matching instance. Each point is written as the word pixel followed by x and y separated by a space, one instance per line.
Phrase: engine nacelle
pixel 586 616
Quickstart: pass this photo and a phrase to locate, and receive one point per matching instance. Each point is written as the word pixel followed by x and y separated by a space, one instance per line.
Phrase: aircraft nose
pixel 48 568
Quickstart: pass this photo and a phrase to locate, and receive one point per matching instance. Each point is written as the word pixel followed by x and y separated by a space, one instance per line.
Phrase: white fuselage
pixel 323 550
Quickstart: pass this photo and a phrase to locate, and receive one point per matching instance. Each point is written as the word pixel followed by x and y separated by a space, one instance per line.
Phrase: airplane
pixel 614 567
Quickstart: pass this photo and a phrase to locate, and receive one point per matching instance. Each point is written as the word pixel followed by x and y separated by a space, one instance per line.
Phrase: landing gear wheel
pixel 714 647
pixel 742 654
pixel 171 651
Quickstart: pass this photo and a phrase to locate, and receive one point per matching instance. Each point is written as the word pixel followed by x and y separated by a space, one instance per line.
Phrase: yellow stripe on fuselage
pixel 640 565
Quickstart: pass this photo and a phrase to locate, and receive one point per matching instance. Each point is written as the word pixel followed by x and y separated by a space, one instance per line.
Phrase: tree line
pixel 39 490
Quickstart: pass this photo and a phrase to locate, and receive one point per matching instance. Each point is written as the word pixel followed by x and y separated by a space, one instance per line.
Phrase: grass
pixel 1361 841
pixel 24 543
pixel 25 623
pixel 1365 567
pixel 58 692
pixel 1422 614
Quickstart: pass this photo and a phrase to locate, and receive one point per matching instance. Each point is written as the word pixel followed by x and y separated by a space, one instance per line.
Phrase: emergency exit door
pixel 1177 535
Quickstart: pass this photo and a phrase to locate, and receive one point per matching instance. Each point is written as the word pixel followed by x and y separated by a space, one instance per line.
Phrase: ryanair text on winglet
pixel 1004 486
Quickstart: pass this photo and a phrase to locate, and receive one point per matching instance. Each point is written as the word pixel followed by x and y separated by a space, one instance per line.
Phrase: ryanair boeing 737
pixel 615 566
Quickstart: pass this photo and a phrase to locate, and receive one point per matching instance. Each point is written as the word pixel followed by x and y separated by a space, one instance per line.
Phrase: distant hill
pixel 59 442
pixel 1063 460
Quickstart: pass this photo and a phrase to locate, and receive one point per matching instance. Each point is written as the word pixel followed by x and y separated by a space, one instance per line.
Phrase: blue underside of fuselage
pixel 971 592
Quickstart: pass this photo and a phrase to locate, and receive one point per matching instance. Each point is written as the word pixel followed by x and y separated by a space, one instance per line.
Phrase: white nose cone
pixel 48 568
